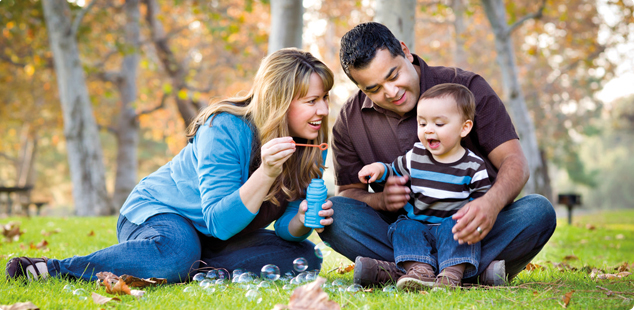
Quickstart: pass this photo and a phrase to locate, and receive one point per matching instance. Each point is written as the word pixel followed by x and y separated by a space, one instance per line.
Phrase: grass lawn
pixel 603 241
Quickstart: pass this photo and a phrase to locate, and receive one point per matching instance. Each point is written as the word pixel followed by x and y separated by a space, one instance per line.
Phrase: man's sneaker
pixel 495 274
pixel 419 276
pixel 368 271
pixel 446 279
pixel 26 268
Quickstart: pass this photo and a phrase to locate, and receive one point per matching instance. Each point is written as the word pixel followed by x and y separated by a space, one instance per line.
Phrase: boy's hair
pixel 359 46
pixel 461 94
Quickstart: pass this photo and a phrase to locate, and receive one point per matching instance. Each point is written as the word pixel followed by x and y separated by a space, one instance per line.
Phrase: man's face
pixel 392 83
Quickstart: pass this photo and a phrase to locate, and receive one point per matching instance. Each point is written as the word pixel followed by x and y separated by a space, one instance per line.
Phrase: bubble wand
pixel 322 146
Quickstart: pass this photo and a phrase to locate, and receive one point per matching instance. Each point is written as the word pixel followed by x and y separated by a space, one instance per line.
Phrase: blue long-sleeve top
pixel 202 183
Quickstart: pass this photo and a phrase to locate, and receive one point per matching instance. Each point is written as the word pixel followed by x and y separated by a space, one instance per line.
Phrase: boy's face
pixel 441 126
pixel 390 82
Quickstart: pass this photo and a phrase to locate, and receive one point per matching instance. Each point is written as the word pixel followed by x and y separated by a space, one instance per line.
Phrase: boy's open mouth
pixel 433 143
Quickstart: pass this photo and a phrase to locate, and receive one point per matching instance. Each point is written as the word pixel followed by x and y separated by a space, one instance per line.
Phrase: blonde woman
pixel 240 171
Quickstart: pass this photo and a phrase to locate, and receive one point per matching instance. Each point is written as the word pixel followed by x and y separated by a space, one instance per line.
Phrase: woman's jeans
pixel 433 244
pixel 519 233
pixel 168 246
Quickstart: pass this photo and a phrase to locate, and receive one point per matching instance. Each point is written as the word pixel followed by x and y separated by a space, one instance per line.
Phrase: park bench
pixel 571 201
pixel 23 198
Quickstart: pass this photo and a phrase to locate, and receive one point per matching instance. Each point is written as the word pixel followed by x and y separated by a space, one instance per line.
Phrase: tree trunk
pixel 399 16
pixel 459 55
pixel 496 14
pixel 287 24
pixel 128 125
pixel 85 157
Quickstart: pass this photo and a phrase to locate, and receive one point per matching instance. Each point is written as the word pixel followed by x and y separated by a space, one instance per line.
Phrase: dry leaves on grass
pixel 531 267
pixel 20 306
pixel 11 231
pixel 50 232
pixel 42 245
pixel 343 269
pixel 100 300
pixel 309 296
pixel 566 299
pixel 597 274
pixel 121 285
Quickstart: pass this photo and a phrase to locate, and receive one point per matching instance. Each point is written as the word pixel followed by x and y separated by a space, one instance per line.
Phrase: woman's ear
pixel 466 128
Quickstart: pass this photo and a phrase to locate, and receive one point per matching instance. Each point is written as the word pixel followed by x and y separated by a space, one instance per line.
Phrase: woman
pixel 239 172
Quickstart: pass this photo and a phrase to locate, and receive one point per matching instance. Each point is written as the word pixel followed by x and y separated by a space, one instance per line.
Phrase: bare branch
pixel 75 26
pixel 158 107
pixel 10 158
pixel 109 76
pixel 9 61
pixel 536 15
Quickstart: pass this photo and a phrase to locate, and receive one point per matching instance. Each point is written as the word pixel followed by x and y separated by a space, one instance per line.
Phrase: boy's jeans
pixel 432 244
pixel 168 246
pixel 520 231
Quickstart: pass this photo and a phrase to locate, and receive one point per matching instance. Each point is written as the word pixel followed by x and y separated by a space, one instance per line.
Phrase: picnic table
pixel 10 190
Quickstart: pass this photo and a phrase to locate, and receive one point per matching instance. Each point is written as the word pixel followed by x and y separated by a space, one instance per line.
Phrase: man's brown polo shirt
pixel 365 133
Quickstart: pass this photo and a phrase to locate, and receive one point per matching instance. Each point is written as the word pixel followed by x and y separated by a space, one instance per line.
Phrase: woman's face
pixel 305 114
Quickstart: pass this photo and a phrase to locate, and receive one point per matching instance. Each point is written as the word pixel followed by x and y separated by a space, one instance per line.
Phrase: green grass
pixel 608 245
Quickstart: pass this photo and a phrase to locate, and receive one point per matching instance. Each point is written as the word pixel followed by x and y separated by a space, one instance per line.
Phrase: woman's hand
pixel 326 212
pixel 274 154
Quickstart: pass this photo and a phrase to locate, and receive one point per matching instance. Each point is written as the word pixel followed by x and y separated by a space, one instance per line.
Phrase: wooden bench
pixel 570 200
pixel 8 191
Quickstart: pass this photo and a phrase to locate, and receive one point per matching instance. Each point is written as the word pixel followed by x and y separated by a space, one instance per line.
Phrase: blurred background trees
pixel 150 65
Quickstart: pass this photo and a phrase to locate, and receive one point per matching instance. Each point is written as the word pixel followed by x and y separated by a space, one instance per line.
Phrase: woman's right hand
pixel 274 154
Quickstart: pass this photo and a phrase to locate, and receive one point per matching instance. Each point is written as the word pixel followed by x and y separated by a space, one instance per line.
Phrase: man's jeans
pixel 168 246
pixel 519 233
pixel 414 241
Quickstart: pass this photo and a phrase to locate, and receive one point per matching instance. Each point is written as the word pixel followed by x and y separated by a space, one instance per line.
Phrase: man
pixel 378 123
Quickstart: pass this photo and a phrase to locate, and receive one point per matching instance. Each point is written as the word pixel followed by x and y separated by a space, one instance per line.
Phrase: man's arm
pixel 394 196
pixel 513 173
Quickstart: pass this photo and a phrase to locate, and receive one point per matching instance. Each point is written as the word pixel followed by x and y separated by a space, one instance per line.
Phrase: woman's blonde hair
pixel 282 77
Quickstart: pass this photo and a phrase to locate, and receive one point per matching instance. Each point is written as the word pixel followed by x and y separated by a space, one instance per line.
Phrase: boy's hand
pixel 372 172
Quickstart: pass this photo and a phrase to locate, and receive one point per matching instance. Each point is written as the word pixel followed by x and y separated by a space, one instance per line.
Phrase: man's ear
pixel 466 128
pixel 408 54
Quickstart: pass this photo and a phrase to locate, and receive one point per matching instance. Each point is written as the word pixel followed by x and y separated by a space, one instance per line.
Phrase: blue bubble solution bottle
pixel 316 195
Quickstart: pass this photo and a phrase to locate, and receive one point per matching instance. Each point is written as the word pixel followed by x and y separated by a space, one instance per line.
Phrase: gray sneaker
pixel 368 272
pixel 495 274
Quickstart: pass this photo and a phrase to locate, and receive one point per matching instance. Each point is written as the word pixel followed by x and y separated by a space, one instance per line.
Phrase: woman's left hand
pixel 326 212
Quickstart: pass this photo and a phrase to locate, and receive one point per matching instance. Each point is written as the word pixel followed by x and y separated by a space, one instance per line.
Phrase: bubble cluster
pixel 199 277
pixel 300 264
pixel 254 296
pixel 270 272
pixel 80 294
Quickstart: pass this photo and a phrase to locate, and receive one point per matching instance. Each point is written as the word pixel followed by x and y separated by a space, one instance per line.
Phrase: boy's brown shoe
pixel 419 276
pixel 368 271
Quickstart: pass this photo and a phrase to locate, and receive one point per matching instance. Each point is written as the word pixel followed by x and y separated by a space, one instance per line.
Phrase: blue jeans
pixel 519 233
pixel 414 241
pixel 168 246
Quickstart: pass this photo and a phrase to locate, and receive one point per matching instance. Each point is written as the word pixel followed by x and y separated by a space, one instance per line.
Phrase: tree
pixel 496 13
pixel 287 24
pixel 399 17
pixel 85 156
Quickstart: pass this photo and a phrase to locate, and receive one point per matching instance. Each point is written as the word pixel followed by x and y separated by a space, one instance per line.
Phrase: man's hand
pixel 395 194
pixel 477 213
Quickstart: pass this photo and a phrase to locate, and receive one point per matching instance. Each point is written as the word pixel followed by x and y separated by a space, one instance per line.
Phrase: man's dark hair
pixel 359 46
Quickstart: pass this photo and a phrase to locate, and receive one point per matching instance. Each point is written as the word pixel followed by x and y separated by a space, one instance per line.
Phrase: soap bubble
pixel 287 287
pixel 81 294
pixel 354 288
pixel 199 277
pixel 390 289
pixel 209 290
pixel 288 276
pixel 68 288
pixel 220 281
pixel 322 249
pixel 270 272
pixel 221 287
pixel 212 274
pixel 300 264
pixel 206 283
pixel 190 290
pixel 312 275
pixel 238 272
pixel 296 281
pixel 338 282
pixel 253 295
pixel 223 274
pixel 245 277
pixel 264 284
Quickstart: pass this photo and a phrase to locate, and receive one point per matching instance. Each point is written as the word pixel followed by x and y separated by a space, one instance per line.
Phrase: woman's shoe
pixel 25 267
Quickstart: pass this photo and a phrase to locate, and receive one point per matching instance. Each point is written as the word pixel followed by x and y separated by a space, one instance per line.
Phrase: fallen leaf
pixel 100 300
pixel 138 282
pixel 590 227
pixel 42 245
pixel 567 298
pixel 346 269
pixel 531 267
pixel 570 257
pixel 309 296
pixel 11 231
pixel 91 233
pixel 620 236
pixel 50 232
pixel 20 306
pixel 623 267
